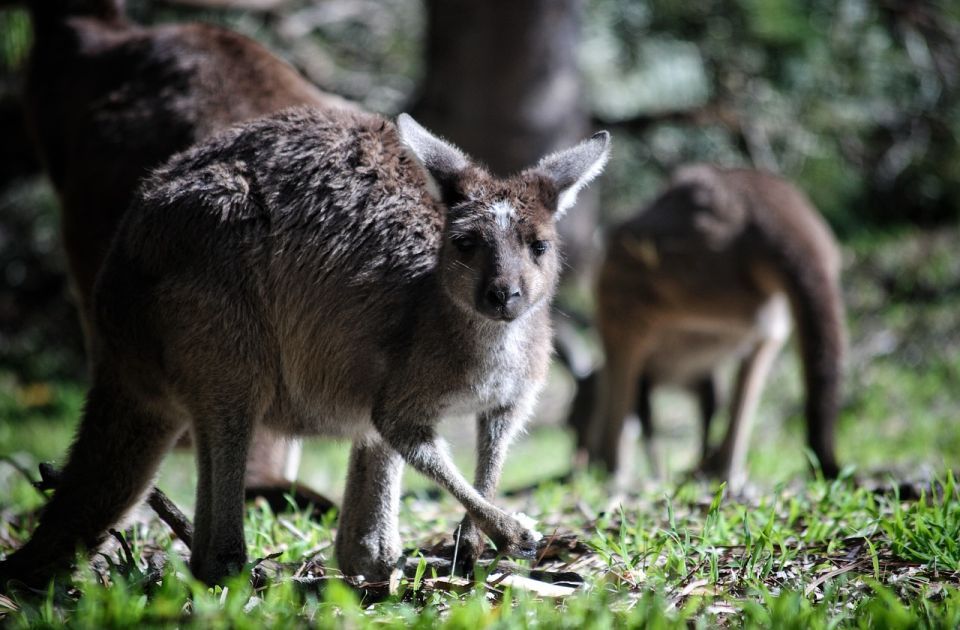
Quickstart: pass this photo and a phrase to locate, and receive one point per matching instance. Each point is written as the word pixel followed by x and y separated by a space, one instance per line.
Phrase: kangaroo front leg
pixel 368 539
pixel 419 446
pixel 495 432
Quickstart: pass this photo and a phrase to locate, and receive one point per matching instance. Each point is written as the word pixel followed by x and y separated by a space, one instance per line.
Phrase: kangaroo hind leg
pixel 114 458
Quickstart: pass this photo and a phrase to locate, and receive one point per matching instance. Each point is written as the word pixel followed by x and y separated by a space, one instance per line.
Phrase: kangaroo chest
pixel 496 377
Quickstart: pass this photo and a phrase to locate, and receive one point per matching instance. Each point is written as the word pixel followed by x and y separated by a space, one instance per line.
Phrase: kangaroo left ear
pixel 441 161
pixel 572 169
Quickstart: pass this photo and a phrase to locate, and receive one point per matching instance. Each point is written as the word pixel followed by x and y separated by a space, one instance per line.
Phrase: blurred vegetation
pixel 856 100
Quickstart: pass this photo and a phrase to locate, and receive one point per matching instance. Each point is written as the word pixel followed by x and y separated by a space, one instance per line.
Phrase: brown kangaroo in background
pixel 712 271
pixel 108 100
pixel 317 272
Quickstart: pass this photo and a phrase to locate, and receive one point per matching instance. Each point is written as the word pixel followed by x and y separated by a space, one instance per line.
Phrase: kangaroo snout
pixel 502 300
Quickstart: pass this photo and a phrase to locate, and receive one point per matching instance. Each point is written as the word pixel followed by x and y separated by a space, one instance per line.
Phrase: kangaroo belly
pixel 326 386
pixel 329 417
pixel 683 356
pixel 691 347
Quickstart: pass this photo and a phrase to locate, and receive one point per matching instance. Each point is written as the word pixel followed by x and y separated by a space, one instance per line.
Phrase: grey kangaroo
pixel 317 274
pixel 712 271
pixel 109 100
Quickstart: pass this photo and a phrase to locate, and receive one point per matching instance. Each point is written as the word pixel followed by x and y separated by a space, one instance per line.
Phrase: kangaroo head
pixel 500 256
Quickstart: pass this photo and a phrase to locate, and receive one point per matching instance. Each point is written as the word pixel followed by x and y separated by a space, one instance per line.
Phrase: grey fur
pixel 295 273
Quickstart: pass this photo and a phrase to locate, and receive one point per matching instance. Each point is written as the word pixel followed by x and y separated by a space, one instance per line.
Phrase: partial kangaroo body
pixel 107 101
pixel 712 271
pixel 309 273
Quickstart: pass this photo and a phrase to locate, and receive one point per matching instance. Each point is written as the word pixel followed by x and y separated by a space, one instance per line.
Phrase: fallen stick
pixel 168 512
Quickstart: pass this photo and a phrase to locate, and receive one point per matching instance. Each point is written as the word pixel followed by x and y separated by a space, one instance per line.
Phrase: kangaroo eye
pixel 464 244
pixel 539 248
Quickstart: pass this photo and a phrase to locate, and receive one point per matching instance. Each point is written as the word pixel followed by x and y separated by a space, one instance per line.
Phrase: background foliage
pixel 855 100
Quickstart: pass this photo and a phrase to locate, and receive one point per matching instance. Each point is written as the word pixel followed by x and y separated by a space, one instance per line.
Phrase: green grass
pixel 668 559
pixel 879 547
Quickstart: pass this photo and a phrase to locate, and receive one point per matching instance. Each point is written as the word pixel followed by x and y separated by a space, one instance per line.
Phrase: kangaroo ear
pixel 441 161
pixel 572 169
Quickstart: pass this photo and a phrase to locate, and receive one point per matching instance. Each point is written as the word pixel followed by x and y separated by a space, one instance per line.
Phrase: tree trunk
pixel 502 82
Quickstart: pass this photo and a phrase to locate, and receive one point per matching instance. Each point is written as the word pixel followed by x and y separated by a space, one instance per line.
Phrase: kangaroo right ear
pixel 574 168
pixel 441 161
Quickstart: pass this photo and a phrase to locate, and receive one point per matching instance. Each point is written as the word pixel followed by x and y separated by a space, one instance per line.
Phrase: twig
pixel 546 547
pixel 830 575
pixel 456 548
pixel 168 512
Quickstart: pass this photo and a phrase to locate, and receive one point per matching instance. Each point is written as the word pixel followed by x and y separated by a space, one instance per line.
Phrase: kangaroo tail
pixel 805 255
pixel 113 459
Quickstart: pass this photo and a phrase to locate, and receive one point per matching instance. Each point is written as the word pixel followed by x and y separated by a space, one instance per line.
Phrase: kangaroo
pixel 712 271
pixel 317 273
pixel 108 100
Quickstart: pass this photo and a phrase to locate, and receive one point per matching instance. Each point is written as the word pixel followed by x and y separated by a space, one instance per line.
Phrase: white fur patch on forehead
pixel 504 213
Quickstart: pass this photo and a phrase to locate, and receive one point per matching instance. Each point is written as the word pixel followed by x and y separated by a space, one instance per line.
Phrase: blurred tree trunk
pixel 502 82
pixel 17 156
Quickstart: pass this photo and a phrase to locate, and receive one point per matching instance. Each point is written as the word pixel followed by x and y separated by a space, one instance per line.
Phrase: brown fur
pixel 704 274
pixel 108 100
pixel 298 273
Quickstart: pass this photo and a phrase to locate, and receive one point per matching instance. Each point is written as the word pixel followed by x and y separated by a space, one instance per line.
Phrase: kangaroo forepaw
pixel 525 547
pixel 515 540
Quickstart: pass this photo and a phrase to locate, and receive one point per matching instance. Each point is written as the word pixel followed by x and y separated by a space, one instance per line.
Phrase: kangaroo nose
pixel 501 296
